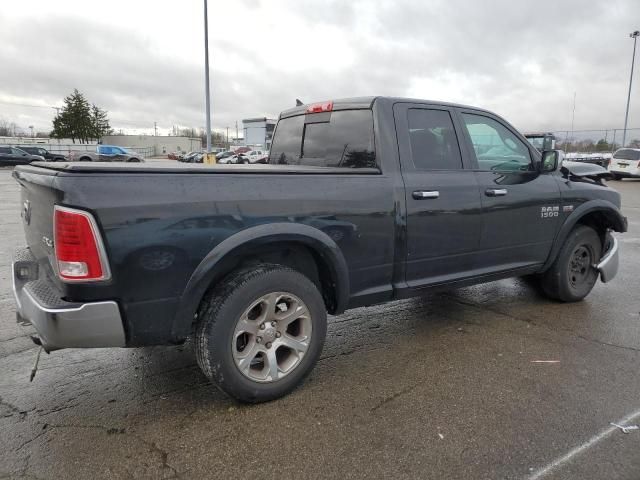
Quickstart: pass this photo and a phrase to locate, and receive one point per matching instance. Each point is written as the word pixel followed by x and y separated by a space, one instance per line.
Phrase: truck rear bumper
pixel 62 324
pixel 608 265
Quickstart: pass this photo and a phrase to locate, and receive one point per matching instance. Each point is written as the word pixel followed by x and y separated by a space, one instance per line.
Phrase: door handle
pixel 424 194
pixel 495 192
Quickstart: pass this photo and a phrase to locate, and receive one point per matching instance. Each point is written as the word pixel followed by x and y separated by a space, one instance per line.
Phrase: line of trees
pixel 80 120
pixel 601 145
pixel 217 138
pixel 7 129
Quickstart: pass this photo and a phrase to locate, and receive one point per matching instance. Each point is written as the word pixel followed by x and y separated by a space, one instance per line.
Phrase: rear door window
pixel 434 145
pixel 341 138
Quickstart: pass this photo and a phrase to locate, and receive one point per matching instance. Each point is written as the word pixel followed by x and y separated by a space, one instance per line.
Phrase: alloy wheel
pixel 271 337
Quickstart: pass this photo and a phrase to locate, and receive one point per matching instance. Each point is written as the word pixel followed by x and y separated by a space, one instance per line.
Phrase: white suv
pixel 625 163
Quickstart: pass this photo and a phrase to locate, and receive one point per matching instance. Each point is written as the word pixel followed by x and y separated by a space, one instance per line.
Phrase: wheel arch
pixel 601 215
pixel 299 246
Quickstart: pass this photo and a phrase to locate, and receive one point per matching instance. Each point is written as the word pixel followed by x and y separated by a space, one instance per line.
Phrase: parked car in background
pixel 193 157
pixel 223 156
pixel 254 156
pixel 625 163
pixel 46 154
pixel 187 156
pixel 16 156
pixel 228 159
pixel 241 150
pixel 105 153
pixel 174 155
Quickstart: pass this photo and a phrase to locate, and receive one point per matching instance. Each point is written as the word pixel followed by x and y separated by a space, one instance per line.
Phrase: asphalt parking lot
pixel 488 382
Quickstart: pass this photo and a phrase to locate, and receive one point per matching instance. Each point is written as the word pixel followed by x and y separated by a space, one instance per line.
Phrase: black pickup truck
pixel 364 201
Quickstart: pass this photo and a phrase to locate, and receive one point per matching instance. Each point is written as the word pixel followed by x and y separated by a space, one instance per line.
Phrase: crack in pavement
pixel 13 409
pixel 152 446
pixel 393 397
pixel 32 439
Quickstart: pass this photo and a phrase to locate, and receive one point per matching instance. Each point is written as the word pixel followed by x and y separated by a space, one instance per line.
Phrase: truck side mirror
pixel 549 161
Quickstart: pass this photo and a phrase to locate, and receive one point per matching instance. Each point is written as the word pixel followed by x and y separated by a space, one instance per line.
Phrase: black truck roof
pixel 367 102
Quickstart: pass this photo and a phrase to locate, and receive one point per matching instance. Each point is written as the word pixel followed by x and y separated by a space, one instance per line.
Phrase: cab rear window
pixel 341 138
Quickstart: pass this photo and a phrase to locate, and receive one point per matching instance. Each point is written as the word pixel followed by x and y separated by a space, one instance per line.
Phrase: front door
pixel 442 196
pixel 520 206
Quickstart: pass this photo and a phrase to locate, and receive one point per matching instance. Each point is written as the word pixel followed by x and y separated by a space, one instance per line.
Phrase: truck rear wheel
pixel 260 332
pixel 572 275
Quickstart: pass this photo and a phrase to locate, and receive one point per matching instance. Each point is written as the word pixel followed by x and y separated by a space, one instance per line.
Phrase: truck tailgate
pixel 37 199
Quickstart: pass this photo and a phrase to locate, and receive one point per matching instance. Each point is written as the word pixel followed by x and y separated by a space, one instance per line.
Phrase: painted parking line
pixel 543 472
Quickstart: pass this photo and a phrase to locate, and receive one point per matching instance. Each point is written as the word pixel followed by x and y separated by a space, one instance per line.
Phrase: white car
pixel 625 163
pixel 254 156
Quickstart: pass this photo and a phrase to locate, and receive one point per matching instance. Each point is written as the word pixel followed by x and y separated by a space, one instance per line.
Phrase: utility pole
pixel 633 35
pixel 155 129
pixel 227 137
pixel 236 130
pixel 206 76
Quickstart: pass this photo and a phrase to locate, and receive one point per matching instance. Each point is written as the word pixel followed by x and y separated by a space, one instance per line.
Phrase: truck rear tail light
pixel 320 107
pixel 80 254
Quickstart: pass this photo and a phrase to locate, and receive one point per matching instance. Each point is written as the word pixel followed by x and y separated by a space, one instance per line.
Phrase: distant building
pixel 258 132
pixel 147 145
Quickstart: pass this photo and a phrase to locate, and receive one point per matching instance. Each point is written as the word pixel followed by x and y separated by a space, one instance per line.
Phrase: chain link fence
pixel 596 141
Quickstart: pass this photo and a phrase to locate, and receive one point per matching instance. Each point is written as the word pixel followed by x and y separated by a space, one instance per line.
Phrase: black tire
pixel 85 159
pixel 134 160
pixel 572 275
pixel 224 305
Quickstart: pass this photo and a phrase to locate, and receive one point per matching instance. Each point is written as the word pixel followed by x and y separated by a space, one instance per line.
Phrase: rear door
pixel 443 200
pixel 106 153
pixel 520 206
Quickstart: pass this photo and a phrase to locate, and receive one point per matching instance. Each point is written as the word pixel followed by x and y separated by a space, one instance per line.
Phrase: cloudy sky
pixel 142 60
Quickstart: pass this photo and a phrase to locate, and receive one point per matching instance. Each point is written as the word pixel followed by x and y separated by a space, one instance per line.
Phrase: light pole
pixel 206 76
pixel 633 35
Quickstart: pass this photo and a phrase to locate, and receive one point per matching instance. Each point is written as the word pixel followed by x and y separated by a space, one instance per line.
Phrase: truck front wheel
pixel 260 332
pixel 572 275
